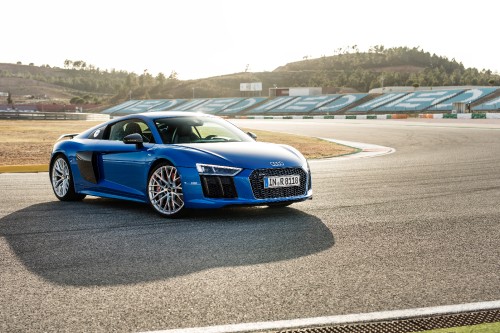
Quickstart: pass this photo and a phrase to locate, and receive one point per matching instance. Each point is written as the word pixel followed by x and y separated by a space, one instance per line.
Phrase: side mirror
pixel 252 135
pixel 134 139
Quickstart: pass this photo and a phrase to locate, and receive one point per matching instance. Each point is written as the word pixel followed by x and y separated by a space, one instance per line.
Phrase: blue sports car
pixel 177 160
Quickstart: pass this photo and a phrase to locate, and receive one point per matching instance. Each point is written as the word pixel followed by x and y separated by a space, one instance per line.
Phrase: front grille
pixel 218 187
pixel 259 192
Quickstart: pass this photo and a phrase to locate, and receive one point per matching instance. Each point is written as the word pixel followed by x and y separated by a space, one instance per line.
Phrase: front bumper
pixel 244 187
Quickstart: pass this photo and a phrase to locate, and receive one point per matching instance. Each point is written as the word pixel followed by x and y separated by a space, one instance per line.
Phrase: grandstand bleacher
pixel 139 107
pixel 273 103
pixel 468 96
pixel 167 105
pixel 341 102
pixel 191 104
pixel 215 105
pixel 433 100
pixel 303 104
pixel 243 105
pixel 378 102
pixel 120 106
pixel 418 101
pixel 491 105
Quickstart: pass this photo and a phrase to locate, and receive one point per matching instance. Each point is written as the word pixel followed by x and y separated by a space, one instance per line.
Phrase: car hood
pixel 251 155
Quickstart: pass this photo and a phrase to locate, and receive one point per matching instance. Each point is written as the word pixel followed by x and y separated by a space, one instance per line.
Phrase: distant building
pixel 297 91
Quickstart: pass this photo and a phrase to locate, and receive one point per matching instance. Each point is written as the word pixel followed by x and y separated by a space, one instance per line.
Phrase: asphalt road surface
pixel 416 228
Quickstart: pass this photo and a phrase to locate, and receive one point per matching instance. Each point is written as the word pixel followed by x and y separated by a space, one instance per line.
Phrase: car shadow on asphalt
pixel 102 242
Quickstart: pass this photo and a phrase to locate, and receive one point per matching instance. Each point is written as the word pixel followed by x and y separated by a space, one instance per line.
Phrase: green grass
pixel 483 328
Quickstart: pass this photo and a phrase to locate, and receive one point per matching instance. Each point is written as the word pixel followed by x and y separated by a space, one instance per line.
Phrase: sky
pixel 198 39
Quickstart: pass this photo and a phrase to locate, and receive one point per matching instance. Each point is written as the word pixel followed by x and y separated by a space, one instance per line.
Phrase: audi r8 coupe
pixel 175 161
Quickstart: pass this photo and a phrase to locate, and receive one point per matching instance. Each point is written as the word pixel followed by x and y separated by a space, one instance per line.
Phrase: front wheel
pixel 62 180
pixel 165 190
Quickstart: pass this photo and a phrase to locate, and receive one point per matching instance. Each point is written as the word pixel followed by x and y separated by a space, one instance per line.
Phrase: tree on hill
pixel 399 66
pixel 160 78
pixel 173 76
pixel 347 68
pixel 67 63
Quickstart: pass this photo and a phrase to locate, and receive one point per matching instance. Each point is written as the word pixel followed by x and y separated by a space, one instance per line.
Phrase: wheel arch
pixel 71 193
pixel 53 158
pixel 158 162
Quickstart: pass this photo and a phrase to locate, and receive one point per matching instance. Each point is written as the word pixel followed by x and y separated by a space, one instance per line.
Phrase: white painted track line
pixel 340 320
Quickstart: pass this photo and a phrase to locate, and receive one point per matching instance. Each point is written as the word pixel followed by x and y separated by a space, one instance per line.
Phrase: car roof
pixel 150 116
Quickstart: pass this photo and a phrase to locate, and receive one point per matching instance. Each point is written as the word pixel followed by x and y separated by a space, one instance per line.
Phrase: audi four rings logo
pixel 277 164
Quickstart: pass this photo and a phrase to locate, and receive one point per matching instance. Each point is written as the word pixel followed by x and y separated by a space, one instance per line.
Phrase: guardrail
pixel 24 115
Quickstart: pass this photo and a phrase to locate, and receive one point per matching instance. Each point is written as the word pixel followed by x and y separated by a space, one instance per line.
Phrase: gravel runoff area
pixel 29 142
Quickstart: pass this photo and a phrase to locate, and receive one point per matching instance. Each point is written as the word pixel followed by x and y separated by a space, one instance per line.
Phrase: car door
pixel 119 169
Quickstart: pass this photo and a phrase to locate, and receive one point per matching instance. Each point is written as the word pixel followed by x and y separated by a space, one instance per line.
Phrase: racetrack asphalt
pixel 416 228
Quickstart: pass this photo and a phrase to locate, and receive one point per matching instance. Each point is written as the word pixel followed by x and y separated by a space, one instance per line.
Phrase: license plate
pixel 281 181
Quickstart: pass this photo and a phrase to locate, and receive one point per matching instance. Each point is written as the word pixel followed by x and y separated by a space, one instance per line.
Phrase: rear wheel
pixel 165 190
pixel 62 180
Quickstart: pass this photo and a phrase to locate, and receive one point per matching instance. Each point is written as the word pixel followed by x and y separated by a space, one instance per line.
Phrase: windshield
pixel 198 130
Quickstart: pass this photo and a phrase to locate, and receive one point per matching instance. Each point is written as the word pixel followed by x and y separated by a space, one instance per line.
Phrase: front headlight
pixel 216 170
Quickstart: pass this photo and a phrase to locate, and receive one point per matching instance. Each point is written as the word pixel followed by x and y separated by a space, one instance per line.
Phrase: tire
pixel 61 179
pixel 165 190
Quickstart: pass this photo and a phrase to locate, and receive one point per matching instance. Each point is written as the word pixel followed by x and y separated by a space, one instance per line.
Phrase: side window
pixel 97 134
pixel 123 128
pixel 117 131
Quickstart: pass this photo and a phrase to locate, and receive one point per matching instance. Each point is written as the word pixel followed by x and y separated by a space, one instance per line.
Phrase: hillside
pixel 33 84
pixel 347 71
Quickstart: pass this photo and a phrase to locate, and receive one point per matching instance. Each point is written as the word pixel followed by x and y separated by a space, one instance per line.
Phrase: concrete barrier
pixel 53 116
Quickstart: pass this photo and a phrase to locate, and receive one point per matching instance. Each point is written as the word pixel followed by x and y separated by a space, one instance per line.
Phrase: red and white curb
pixel 366 150
pixel 382 116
